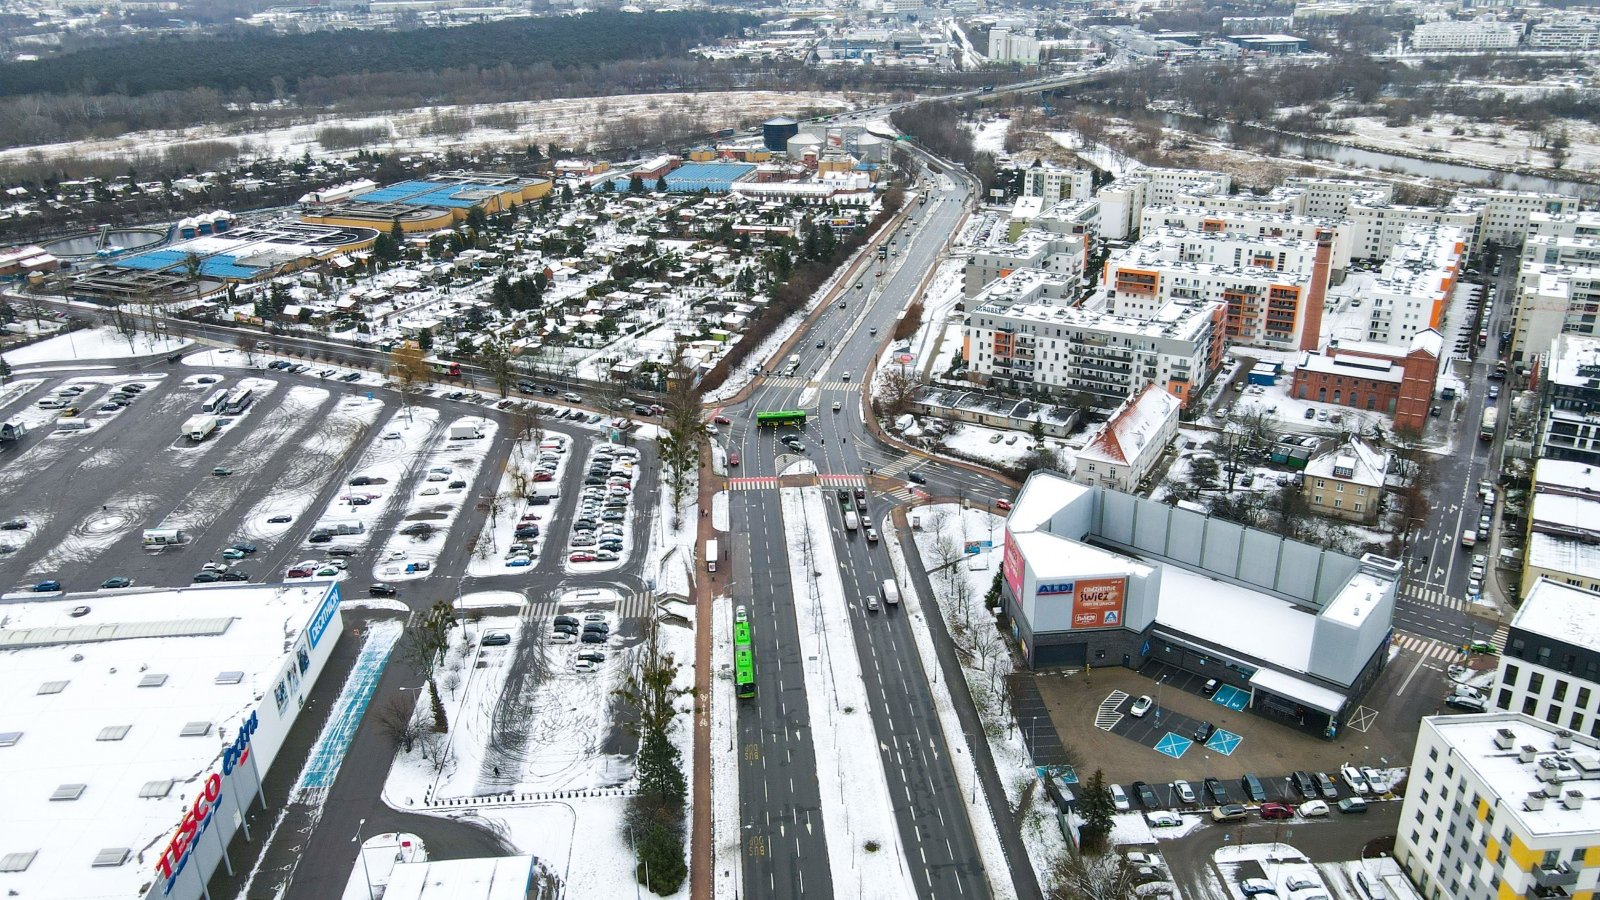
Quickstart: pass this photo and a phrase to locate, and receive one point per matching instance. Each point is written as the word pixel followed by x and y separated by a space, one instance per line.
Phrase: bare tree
pixel 397 722
pixel 897 389
pixel 987 644
pixel 248 344
pixel 1083 876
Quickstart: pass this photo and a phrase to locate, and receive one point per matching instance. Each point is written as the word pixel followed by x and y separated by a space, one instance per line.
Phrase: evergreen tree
pixel 661 866
pixel 661 769
pixel 661 184
pixel 635 184
pixel 1096 808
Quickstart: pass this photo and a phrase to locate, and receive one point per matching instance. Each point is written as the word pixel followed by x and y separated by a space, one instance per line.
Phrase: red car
pixel 1276 811
pixel 298 573
pixel 733 458
pixel 581 557
pixel 1002 504
pixel 722 420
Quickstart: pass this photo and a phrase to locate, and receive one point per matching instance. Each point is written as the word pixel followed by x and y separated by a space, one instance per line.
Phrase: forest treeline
pixel 279 63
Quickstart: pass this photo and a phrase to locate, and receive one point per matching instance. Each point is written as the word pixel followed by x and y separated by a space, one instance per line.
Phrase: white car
pixel 1352 776
pixel 1184 791
pixel 1141 706
pixel 1163 818
pixel 1378 781
pixel 583 665
pixel 1313 808
pixel 1119 799
pixel 561 637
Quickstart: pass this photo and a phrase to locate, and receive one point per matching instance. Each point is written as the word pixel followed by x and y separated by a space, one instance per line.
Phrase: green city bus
pixel 780 417
pixel 744 657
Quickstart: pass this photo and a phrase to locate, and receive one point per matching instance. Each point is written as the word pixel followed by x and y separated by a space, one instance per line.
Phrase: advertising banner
pixel 1013 566
pixel 1096 602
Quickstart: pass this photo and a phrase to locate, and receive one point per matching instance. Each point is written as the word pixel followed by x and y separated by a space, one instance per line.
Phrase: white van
pixel 711 555
pixel 891 592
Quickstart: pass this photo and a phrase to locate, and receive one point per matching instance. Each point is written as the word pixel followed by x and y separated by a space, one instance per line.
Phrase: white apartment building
pixel 1200 217
pixel 1016 338
pixel 1167 184
pixel 1054 184
pixel 1007 46
pixel 1482 34
pixel 1553 300
pixel 1570 380
pixel 1064 257
pixel 1413 287
pixel 1377 227
pixel 1122 202
pixel 1333 196
pixel 1496 806
pixel 1563 526
pixel 1278 200
pixel 1551 666
pixel 1575 32
pixel 1266 305
pixel 1570 238
pixel 1505 216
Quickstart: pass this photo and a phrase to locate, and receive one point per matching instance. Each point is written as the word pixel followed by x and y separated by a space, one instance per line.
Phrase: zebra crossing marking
pixel 1107 717
pixel 898 466
pixel 1433 597
pixel 1426 647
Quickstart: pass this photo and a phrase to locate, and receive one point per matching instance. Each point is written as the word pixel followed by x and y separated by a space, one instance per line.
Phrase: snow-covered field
pixel 92 343
pixel 571 122
pixel 1470 141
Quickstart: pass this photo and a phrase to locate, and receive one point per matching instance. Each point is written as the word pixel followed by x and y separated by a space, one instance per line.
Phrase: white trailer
pixel 162 537
pixel 339 526
pixel 465 431
pixel 198 428
pixel 711 555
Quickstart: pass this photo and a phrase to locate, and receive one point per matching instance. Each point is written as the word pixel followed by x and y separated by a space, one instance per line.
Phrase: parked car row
pixel 1318 794
pixel 599 526
pixel 593 629
pixel 528 534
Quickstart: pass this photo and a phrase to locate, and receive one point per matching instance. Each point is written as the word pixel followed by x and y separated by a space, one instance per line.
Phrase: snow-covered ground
pixel 316 459
pixel 499 529
pixel 570 122
pixel 229 358
pixel 990 137
pixel 1470 141
pixel 1099 155
pixel 850 778
pixel 438 500
pixel 92 344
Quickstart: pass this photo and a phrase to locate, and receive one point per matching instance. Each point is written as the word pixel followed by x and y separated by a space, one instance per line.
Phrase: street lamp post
pixel 361 850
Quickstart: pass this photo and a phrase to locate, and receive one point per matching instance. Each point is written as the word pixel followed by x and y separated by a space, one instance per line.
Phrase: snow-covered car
pixel 1313 808
pixel 1163 818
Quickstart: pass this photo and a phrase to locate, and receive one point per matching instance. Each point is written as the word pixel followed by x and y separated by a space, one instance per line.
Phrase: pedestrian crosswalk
pixel 843 480
pixel 791 381
pixel 1426 648
pixel 632 605
pixel 1498 638
pixel 1432 596
pixel 902 494
pixel 898 466
pixel 758 483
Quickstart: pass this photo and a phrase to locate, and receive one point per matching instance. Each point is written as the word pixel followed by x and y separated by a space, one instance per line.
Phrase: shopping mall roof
pixel 110 720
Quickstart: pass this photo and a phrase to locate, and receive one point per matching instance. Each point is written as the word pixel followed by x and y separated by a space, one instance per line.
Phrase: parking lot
pixel 306 473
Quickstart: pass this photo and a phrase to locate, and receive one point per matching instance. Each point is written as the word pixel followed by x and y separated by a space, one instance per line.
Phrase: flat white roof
pixel 1471 739
pixel 1563 554
pixel 492 878
pixel 1239 618
pixel 1054 556
pixel 69 684
pixel 1286 685
pixel 1561 611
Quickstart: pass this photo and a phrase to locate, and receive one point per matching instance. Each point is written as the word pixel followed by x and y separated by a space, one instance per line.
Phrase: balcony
pixel 1560 875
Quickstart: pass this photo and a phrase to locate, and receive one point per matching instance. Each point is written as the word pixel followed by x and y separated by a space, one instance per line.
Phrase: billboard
pixel 1095 602
pixel 1013 566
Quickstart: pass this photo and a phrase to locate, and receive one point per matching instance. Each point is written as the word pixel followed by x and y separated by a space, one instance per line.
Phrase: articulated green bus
pixel 779 417
pixel 744 657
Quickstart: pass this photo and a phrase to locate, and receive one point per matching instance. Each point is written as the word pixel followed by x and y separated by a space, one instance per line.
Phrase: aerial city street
pixel 520 450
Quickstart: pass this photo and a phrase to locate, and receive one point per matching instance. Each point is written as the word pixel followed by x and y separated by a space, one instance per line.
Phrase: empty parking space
pixel 1231 697
pixel 1033 718
pixel 1163 730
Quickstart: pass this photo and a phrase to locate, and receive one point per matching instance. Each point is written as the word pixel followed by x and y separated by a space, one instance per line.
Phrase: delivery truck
pixel 711 555
pixel 198 428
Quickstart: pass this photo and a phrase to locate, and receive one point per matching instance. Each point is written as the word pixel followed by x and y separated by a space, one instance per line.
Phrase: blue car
pixel 520 561
pixel 45 586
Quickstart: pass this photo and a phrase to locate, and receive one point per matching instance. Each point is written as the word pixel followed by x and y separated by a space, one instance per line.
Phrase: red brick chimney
pixel 1311 323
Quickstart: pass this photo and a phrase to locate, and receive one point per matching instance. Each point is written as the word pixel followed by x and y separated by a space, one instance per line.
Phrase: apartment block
pixel 1482 34
pixel 1063 256
pixel 1414 285
pixel 1207 219
pixel 1123 201
pixel 1496 807
pixel 1551 667
pixel 1563 526
pixel 1334 196
pixel 1574 32
pixel 1570 380
pixel 1015 337
pixel 1505 216
pixel 1553 300
pixel 1054 184
pixel 1378 227
pixel 1266 305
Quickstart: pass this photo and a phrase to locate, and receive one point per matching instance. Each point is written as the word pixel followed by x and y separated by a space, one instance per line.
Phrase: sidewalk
pixel 700 838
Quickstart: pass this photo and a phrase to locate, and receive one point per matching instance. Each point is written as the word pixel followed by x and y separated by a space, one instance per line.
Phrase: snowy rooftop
pixel 1212 610
pixel 1043 495
pixel 1580 559
pixel 102 701
pixel 1262 217
pixel 1578 357
pixel 1471 739
pixel 1132 428
pixel 1055 557
pixel 1561 611
pixel 489 878
pixel 1566 474
pixel 1363 593
pixel 1353 461
pixel 1180 320
pixel 1565 511
pixel 1352 366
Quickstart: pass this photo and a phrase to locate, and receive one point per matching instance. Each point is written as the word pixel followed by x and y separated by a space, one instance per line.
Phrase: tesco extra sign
pixel 197 818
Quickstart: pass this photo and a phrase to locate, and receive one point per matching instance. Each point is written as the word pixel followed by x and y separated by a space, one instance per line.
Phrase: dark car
pixel 206 577
pixel 360 481
pixel 527 387
pixel 1306 785
pixel 1252 788
pixel 1352 805
pixel 417 529
pixel 601 627
pixel 594 656
pixel 280 520
pixel 320 539
pixel 1326 787
pixel 1218 791
pixel 916 478
pixel 567 627
pixel 1147 797
pixel 1204 732
pixel 567 620
pixel 382 590
pixel 548 390
pixel 245 547
pixel 593 637
pixel 342 551
pixel 235 575
pixel 13 525
pixel 114 583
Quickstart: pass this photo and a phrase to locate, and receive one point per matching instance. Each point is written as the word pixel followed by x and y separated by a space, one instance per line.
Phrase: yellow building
pixel 430 204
